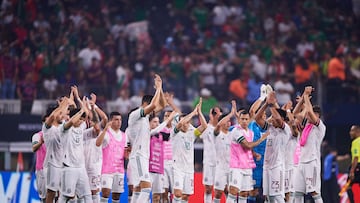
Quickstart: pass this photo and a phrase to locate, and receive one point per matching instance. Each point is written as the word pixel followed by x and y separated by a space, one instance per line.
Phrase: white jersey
pixel 54 146
pixel 311 150
pixel 222 147
pixel 183 149
pixel 290 150
pixel 139 131
pixel 275 146
pixel 116 134
pixel 209 145
pixel 92 153
pixel 74 146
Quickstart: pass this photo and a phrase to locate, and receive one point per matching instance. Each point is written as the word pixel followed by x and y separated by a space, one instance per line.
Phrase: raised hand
pixel 308 90
pixel 93 98
pixel 157 81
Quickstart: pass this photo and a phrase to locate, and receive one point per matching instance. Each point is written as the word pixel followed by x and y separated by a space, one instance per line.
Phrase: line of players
pixel 85 151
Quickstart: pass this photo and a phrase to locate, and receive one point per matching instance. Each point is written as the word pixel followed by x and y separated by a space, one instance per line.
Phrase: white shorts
pixel 75 181
pixel 168 175
pixel 140 170
pixel 273 181
pixel 53 177
pixel 307 177
pixel 94 175
pixel 41 182
pixel 115 182
pixel 157 183
pixel 221 178
pixel 241 179
pixel 184 182
pixel 288 180
pixel 208 175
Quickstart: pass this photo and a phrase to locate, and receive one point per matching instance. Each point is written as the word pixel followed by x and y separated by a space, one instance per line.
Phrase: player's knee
pixel 233 190
pixel 185 197
pixel 218 194
pixel 244 194
pixel 116 196
pixel 208 189
pixel 105 192
pixel 177 193
pixel 156 197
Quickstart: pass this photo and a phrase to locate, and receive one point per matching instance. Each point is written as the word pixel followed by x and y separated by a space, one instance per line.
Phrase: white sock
pixel 231 199
pixel 95 198
pixel 87 199
pixel 242 199
pixel 299 197
pixel 317 198
pixel 135 197
pixel 216 200
pixel 104 200
pixel 177 200
pixel 115 201
pixel 80 200
pixel 144 196
pixel 207 198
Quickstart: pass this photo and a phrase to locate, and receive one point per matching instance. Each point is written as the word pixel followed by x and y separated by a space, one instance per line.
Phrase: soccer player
pixel 139 130
pixel 74 177
pixel 54 146
pixel 222 149
pixel 114 144
pixel 274 158
pixel 183 137
pixel 168 158
pixel 307 173
pixel 39 148
pixel 241 159
pixel 159 133
pixel 209 157
pixel 93 153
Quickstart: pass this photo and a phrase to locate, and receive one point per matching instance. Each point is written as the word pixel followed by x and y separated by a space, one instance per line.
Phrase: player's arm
pixel 75 118
pixel 157 130
pixel 274 113
pixel 36 144
pixel 226 118
pixel 100 138
pixel 155 102
pixel 249 145
pixel 185 119
pixel 259 116
pixel 63 105
pixel 170 101
pixel 309 108
pixel 203 123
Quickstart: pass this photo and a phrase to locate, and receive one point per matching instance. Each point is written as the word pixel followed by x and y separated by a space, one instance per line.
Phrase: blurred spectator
pixel 124 102
pixel 139 75
pixel 284 89
pixel 26 65
pixel 94 80
pixel 208 101
pixel 303 74
pixel 253 86
pixel 87 54
pixel 9 72
pixel 336 77
pixel 51 86
pixel 27 92
pixel 238 88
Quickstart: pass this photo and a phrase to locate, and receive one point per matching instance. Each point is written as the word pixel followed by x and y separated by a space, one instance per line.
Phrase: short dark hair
pixel 317 109
pixel 75 111
pixel 147 99
pixel 114 113
pixel 245 111
pixel 282 113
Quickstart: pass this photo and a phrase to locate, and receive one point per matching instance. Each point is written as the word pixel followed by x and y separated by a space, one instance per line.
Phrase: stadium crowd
pixel 226 48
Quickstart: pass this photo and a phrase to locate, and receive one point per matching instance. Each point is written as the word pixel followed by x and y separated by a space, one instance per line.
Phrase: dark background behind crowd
pixel 215 49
